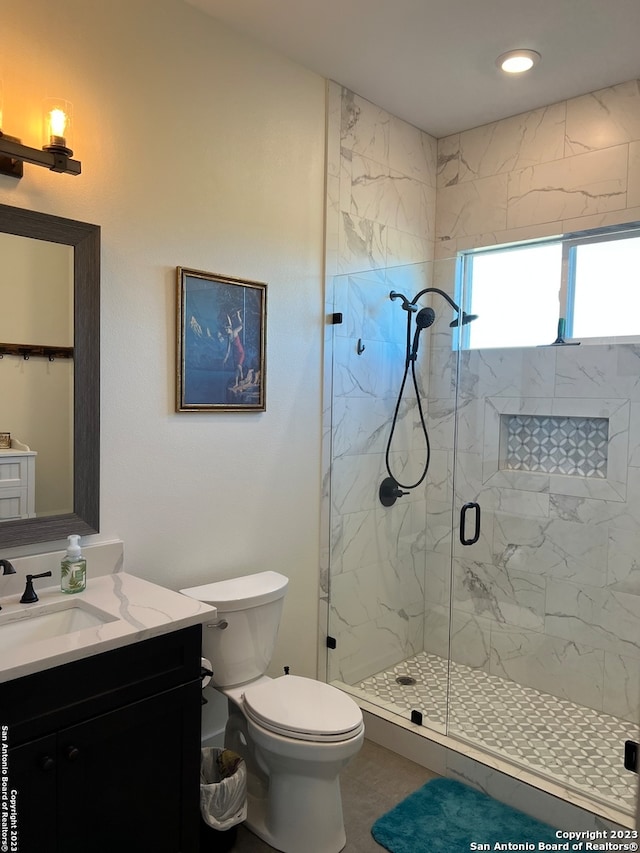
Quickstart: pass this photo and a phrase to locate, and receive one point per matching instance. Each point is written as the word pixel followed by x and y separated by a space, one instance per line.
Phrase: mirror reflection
pixel 55 405
pixel 36 417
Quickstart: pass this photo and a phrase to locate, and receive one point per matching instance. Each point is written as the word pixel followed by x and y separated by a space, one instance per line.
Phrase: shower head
pixel 466 318
pixel 425 318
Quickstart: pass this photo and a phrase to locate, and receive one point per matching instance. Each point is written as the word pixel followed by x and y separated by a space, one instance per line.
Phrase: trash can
pixel 223 797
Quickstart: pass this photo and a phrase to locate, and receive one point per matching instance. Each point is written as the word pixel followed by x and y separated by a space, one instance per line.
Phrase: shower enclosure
pixel 498 602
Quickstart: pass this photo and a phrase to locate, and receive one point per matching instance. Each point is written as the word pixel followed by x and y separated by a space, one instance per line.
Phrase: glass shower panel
pixel 544 643
pixel 390 565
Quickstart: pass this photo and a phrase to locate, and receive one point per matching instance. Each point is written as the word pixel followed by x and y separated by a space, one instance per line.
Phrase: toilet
pixel 295 734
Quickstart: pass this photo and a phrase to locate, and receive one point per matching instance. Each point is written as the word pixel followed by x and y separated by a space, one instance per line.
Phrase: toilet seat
pixel 303 709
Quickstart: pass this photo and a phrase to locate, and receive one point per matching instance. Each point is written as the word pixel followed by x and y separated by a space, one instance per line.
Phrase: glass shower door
pixel 544 651
pixel 389 565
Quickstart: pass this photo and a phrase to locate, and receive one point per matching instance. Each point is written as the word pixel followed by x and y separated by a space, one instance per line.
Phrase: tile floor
pixel 374 782
pixel 574 745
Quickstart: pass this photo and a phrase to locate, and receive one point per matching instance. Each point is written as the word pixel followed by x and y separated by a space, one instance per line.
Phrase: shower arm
pixel 441 292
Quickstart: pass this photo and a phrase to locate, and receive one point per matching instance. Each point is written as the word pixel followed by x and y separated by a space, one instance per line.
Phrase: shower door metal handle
pixel 463 521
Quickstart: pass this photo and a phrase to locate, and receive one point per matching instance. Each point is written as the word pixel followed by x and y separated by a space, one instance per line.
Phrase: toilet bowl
pixel 294 733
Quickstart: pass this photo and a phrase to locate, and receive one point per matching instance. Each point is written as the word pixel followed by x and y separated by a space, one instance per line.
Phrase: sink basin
pixel 33 626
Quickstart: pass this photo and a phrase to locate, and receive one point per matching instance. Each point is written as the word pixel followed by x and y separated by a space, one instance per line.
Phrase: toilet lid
pixel 304 709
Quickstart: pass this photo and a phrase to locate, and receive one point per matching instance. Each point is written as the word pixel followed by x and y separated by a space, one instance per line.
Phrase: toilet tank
pixel 251 607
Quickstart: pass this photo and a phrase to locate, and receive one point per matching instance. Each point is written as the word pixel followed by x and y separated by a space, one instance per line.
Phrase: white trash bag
pixel 223 788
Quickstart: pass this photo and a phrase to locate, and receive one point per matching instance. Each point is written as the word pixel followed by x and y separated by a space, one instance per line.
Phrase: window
pixel 578 287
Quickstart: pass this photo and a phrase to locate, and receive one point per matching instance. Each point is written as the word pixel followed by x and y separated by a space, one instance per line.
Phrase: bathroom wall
pixel 549 597
pixel 380 214
pixel 199 148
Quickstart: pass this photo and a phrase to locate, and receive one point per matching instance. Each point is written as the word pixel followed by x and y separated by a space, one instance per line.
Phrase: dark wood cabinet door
pixel 33 770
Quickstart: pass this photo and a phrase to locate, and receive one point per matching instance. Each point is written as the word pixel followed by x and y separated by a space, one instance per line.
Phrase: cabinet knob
pixel 46 762
pixel 72 753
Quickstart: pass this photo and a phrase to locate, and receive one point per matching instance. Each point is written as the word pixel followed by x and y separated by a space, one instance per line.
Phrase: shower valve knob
pixel 389 492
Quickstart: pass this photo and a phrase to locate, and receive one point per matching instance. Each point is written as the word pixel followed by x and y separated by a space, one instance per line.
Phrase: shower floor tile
pixel 576 746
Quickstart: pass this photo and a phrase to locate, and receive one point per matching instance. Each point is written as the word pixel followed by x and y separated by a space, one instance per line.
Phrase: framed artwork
pixel 221 329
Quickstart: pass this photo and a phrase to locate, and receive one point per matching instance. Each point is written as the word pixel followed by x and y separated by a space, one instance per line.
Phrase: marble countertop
pixel 131 609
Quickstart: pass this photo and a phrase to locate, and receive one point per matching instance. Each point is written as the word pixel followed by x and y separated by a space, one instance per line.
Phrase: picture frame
pixel 221 343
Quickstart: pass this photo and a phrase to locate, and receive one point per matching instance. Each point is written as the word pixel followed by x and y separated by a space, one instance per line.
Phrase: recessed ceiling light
pixel 517 61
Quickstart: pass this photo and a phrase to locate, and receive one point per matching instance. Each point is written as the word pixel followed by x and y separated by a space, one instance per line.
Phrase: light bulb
pixel 56 124
pixel 517 61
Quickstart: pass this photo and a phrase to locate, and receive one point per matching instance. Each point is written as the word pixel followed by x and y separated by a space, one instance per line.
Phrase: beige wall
pixel 198 149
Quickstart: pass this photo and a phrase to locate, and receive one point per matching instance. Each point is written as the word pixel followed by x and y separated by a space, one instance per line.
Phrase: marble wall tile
pixel 633 188
pixel 562 667
pixel 472 206
pixel 597 617
pixel 362 244
pixel 437 584
pixel 623 569
pixel 555 549
pixel 621 695
pixel 514 143
pixel 448 170
pixel 412 152
pixel 471 640
pixel 378 375
pixel 503 596
pixel 404 248
pixel 369 313
pixel 604 118
pixel 363 424
pixel 365 128
pixel 576 186
pixel 436 630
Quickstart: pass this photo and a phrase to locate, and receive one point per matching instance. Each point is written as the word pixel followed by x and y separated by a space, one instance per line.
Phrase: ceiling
pixel 432 62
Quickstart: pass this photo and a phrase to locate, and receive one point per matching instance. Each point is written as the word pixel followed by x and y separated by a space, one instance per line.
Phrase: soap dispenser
pixel 73 569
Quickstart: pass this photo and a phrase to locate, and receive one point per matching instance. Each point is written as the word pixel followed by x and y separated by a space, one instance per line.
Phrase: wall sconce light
pixel 55 154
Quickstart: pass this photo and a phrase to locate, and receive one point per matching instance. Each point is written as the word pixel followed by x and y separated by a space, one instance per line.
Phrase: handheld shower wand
pixel 391 487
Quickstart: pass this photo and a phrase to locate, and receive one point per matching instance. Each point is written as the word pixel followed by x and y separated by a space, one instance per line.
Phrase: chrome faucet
pixel 7 569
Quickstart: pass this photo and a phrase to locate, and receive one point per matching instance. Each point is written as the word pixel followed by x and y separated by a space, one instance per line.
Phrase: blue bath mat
pixel 445 816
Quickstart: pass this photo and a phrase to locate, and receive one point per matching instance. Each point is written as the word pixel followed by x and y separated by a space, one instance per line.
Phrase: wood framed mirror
pixel 84 240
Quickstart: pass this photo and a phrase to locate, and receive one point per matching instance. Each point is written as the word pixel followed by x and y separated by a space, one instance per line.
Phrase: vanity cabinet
pixel 17 484
pixel 104 753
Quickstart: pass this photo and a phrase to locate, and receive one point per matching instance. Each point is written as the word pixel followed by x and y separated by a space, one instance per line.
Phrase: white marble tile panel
pixel 621 686
pixel 373 194
pixel 404 248
pixel 439 533
pixel 495 593
pixel 604 118
pixel 377 375
pixel 355 482
pixel 363 424
pixel 436 630
pixel 362 244
pixel 623 571
pixel 471 207
pixel 562 667
pixel 513 372
pixel 576 186
pixel 437 584
pixel 471 640
pixel 633 181
pixel 354 597
pixel 513 143
pixel 598 617
pixel 550 547
pixel 412 152
pixel 631 213
pixel 365 127
pixel 448 160
pixel 370 314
